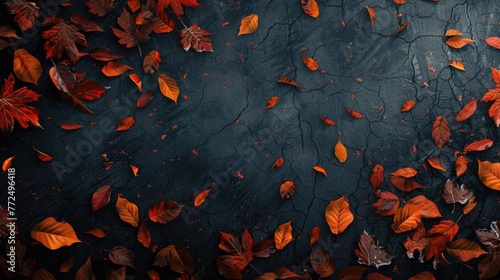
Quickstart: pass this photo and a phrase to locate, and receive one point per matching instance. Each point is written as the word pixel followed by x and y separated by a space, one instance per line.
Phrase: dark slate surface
pixel 223 129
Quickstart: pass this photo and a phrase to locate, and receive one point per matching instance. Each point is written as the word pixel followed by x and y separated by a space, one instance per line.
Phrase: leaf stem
pixel 140 51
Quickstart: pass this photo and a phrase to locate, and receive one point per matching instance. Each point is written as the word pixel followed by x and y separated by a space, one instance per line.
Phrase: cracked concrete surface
pixel 222 128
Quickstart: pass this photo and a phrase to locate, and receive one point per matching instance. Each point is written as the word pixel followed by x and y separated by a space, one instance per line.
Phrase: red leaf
pixel 176 5
pixel 121 256
pixel 200 198
pixel 494 112
pixel 495 76
pixel 353 114
pixel 134 5
pixel 310 8
pixel 241 251
pixel 13 107
pixel 491 95
pixel 377 176
pixel 322 263
pixel 151 62
pixel 6 164
pixel 100 7
pixel 7 32
pixel 125 124
pixel 143 235
pixel 327 121
pixel 26 13
pixel 477 146
pixel 271 102
pixel 196 37
pixel 278 163
pixel 439 235
pixel 404 184
pixel 227 269
pixel 377 276
pixel 314 235
pixel 144 99
pixel 440 131
pixel 417 242
pixel 85 24
pixel 264 249
pixel 131 34
pixel 103 54
pixel 370 253
pixel 70 126
pixel 101 198
pixel 493 42
pixel 164 211
pixel 387 203
pixel 488 267
pixel 42 156
pixel 62 37
pixel 89 90
pixel 467 111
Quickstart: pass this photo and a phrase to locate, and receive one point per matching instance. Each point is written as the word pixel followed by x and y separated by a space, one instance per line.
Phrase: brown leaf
pixel 53 234
pixel 196 37
pixel 458 42
pixel 309 62
pixel 26 13
pixel 489 237
pixel 467 111
pixel 402 27
pixel 440 131
pixel 125 124
pixel 289 81
pixel 370 253
pixel 42 156
pixel 424 275
pixel 287 189
pixel 137 80
pixel 453 193
pixel 371 14
pixel 314 235
pixel 65 81
pixel 404 184
pixel 264 249
pixel 66 265
pixel 131 34
pixel 320 169
pixel 352 273
pixel 177 258
pixel 62 38
pixel 164 211
pixel 26 67
pixel 143 235
pixel 377 176
pixel 119 274
pixel 249 24
pixel 283 235
pixel 7 163
pixel 104 54
pixel 460 165
pixel 226 269
pixel 85 24
pixel 322 263
pixel 101 198
pixel 338 215
pixel 377 276
pixel 407 106
pixel 436 163
pixel 127 211
pixel 8 32
pixel 310 8
pixel 70 126
pixel 151 62
pixel 271 102
pixel 99 7
pixel 278 163
pixel 417 242
pixel 42 274
pixel 144 99
pixel 285 273
pixel 200 198
pixel 353 114
pixel 96 232
pixel 85 271
pixel 168 87
pixel 493 42
pixel 340 152
pixel 457 64
pixel 488 267
pixel 387 203
pixel 465 250
pixel 153 274
pixel 121 256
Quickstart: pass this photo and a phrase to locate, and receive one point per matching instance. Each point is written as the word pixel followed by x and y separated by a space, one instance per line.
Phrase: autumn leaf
pixel 144 99
pixel 62 37
pixel 26 67
pixel 278 163
pixel 495 76
pixel 436 163
pixel 96 232
pixel 7 163
pixel 42 156
pixel 287 189
pixel 130 34
pixel 226 269
pixel 440 131
pixel 353 114
pixel 176 5
pixel 85 271
pixel 377 176
pixel 104 54
pixel 424 275
pixel 177 258
pixel 151 62
pixel 491 95
pixel 118 274
pixel 407 106
pixel 197 38
pixel 460 165
pixel 101 198
pixel 338 215
pixel 320 169
pixel 134 5
pixel 453 193
pixel 410 215
pixel 371 14
pixel 114 69
pixel 493 42
pixel 26 12
pixel 164 211
pixel 8 32
pixel 310 8
pixel 134 169
pixel 458 42
pixel 489 237
pixel 352 272
pixel 153 274
pixel 85 24
pixel 377 276
pixel 494 112
pixel 340 152
pixel 387 203
pixel 489 173
pixel 240 251
pixel 137 80
pixel 65 81
pixel 271 102
pixel 100 7
pixel 401 27
pixel 143 235
pixel 464 249
pixel 249 24
pixel 488 267
pixel 322 263
pixel 370 253
pixel 416 242
pixel 283 235
pixel 453 32
pixel 406 172
pixel 66 265
pixel 264 249
pixel 439 235
pixel 314 235
pixel 89 90
pixel 309 62
pixel 471 204
pixel 404 184
pixel 457 64
pixel 399 2
pixel 125 124
pixel 53 234
pixel 289 81
pixel 326 121
pixel 200 198
pixel 168 87
pixel 127 211
pixel 121 256
pixel 70 126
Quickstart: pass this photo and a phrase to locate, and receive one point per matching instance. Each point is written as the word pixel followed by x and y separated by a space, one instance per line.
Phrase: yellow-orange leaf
pixel 436 163
pixel 125 124
pixel 287 189
pixel 457 64
pixel 283 235
pixel 406 172
pixel 424 275
pixel 407 106
pixel 249 24
pixel 465 250
pixel 310 8
pixel 453 32
pixel 460 165
pixel 271 102
pixel 489 173
pixel 134 169
pixel 401 27
pixel 338 215
pixel 168 87
pixel 320 170
pixel 114 68
pixel 309 62
pixel 493 42
pixel 7 163
pixel 371 14
pixel 458 42
pixel 96 232
pixel 340 152
pixel 200 198
pixel 137 80
pixel 440 131
pixel 289 81
pixel 54 234
pixel 128 211
pixel 467 111
pixel 26 67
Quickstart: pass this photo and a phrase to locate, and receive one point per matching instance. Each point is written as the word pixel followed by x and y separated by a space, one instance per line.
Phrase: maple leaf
pixel 62 37
pixel 453 193
pixel 176 5
pixel 26 12
pixel 195 37
pixel 240 252
pixel 13 107
pixel 131 34
pixel 370 253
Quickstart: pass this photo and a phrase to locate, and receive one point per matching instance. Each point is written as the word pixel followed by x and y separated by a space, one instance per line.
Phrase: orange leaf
pixel 458 42
pixel 320 170
pixel 42 156
pixel 151 62
pixel 249 24
pixel 113 69
pixel 101 198
pixel 440 131
pixel 137 80
pixel 424 275
pixel 271 102
pixel 103 54
pixel 322 263
pixel 70 126
pixel 241 251
pixel 465 250
pixel 289 81
pixel 326 121
pixel 134 5
pixel 85 271
pixel 125 124
pixel 404 184
pixel 467 111
pixel 127 211
pixel 8 32
pixel 489 173
pixel 53 234
pixel 85 24
pixel 314 235
pixel 452 193
pixel 89 90
pixel 353 114
pixel 457 64
pixel 278 163
pixel 407 106
pixel 310 8
pixel 143 235
pixel 168 87
pixel 493 42
pixel 287 189
pixel 309 62
pixel 143 17
pixel 377 176
pixel 495 76
pixel 416 242
pixel 196 37
pixel 406 172
pixel 26 67
pixel 410 215
pixel 387 203
pixel 399 2
pixel 7 163
pixel 200 198
pixel 436 163
pixel 340 152
pixel 283 235
pixel 401 27
pixel 359 80
pixel 460 165
pixel 264 249
pixel 164 211
pixel 470 205
pixel 371 14
pixel 439 235
pixel 96 232
pixel 453 32
pixel 144 99
pixel 478 146
pixel 338 215
pixel 66 265
pixel 135 170
pixel 226 268
pixel 491 95
pixel 370 253
pixel 494 112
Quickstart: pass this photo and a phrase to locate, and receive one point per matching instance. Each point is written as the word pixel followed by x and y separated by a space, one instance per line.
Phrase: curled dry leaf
pixel 309 62
pixel 143 235
pixel 101 198
pixel 168 87
pixel 7 163
pixel 135 170
pixel 278 163
pixel 151 62
pixel 164 211
pixel 402 27
pixel 371 14
pixel 467 111
pixel 320 169
pixel 289 81
pixel 200 198
pixel 322 263
pixel 489 173
pixel 264 249
pixel 249 24
pixel 453 32
pixel 97 232
pixel 53 234
pixel 452 193
pixel 465 250
pixel 436 163
pixel 196 37
pixel 287 189
pixel 387 203
pixel 128 211
pixel 493 42
pixel 70 126
pixel 137 80
pixel 407 106
pixel 113 69
pixel 314 235
pixel 283 235
pixel 457 64
pixel 340 152
pixel 310 8
pixel 42 156
pixel 353 114
pixel 370 253
pixel 338 215
pixel 458 42
pixel 125 124
pixel 121 256
pixel 144 99
pixel 377 176
pixel 327 121
pixel 26 67
pixel 271 102
pixel 440 131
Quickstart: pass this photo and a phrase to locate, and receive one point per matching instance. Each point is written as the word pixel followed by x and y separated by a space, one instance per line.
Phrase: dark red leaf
pixel 26 12
pixel 101 198
pixel 144 99
pixel 121 256
pixel 85 24
pixel 89 90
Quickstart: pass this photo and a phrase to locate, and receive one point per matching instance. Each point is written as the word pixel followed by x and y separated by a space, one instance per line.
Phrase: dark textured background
pixel 223 128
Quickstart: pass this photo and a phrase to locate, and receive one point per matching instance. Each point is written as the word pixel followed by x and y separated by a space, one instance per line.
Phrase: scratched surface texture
pixel 220 135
